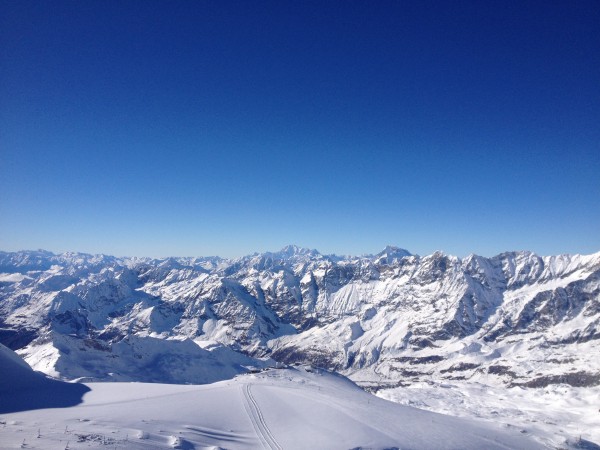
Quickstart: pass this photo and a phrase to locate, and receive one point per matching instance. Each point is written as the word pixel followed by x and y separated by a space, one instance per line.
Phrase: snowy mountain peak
pixel 290 251
pixel 391 253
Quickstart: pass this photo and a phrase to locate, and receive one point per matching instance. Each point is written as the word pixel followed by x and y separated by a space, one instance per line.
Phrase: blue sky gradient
pixel 194 128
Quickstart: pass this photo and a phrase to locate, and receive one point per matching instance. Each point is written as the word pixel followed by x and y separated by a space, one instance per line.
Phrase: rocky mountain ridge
pixel 385 319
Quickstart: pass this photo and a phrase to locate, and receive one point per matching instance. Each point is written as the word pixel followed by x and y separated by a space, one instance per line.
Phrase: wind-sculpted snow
pixel 386 319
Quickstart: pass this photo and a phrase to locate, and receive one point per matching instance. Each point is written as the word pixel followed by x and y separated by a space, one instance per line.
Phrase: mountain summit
pixel 391 254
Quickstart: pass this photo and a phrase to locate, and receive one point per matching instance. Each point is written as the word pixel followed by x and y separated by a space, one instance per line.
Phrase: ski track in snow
pixel 258 420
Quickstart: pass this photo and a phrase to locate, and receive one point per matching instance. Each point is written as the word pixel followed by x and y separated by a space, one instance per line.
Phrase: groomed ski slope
pixel 293 408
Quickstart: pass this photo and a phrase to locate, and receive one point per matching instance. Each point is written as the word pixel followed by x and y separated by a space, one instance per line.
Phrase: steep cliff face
pixel 390 318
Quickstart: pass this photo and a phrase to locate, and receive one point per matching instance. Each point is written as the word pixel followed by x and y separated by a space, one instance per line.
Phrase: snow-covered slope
pixel 23 389
pixel 16 373
pixel 291 408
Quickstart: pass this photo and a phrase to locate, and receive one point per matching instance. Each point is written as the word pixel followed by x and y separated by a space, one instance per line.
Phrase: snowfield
pixel 292 408
pixel 559 416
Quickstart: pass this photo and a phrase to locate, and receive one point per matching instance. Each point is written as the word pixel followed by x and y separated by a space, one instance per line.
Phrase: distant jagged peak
pixel 25 260
pixel 292 250
pixel 514 254
pixel 24 254
pixel 392 250
pixel 170 262
pixel 78 258
pixel 289 253
pixel 390 254
pixel 440 260
pixel 39 252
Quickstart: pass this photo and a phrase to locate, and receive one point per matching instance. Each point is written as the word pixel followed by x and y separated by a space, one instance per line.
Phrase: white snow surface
pixel 560 416
pixel 292 408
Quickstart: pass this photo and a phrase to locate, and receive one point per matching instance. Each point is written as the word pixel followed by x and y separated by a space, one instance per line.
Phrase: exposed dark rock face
pixel 577 379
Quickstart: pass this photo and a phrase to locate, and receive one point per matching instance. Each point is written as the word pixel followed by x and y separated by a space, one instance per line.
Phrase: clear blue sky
pixel 213 127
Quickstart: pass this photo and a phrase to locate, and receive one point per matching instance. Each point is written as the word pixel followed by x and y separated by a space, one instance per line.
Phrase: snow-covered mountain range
pixel 384 320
